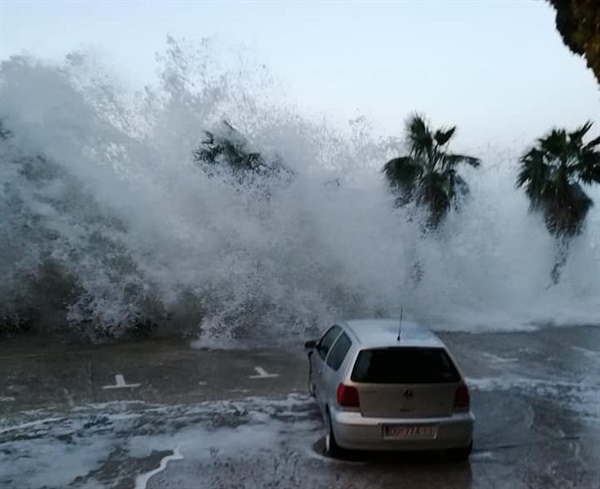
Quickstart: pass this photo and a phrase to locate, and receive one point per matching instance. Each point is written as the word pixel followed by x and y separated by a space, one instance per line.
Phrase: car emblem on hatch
pixel 408 394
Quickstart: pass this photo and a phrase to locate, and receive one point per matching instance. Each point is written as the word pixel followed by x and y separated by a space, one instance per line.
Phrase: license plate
pixel 409 432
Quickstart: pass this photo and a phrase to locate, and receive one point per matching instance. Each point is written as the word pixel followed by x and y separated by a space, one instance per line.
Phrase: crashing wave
pixel 109 224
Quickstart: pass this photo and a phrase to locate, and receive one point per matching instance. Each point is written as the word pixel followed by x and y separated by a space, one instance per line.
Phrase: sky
pixel 497 69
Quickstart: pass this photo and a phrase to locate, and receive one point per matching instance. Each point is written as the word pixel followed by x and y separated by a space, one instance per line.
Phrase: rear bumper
pixel 355 432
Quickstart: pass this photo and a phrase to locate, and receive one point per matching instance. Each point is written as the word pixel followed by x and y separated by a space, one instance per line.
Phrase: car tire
pixel 332 449
pixel 461 454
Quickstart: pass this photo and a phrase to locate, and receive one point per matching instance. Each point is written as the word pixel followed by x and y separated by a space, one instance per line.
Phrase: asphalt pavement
pixel 160 414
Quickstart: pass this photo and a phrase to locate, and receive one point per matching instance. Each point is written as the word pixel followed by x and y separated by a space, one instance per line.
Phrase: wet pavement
pixel 158 414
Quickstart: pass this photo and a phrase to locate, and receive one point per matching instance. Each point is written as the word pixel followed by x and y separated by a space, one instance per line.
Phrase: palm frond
pixel 579 133
pixel 458 190
pixel 443 137
pixel 593 143
pixel 461 188
pixel 402 173
pixel 452 160
pixel 533 175
pixel 420 139
pixel 588 166
pixel 554 145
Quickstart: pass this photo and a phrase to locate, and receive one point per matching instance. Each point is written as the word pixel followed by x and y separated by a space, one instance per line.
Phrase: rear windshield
pixel 404 366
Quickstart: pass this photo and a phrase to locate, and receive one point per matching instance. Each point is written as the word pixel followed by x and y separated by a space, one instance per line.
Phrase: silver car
pixel 389 385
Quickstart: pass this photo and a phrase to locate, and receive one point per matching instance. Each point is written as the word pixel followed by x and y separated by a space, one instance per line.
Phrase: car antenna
pixel 400 325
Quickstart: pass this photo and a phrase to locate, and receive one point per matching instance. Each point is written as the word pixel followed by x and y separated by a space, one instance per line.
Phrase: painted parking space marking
pixel 120 383
pixel 202 382
pixel 262 374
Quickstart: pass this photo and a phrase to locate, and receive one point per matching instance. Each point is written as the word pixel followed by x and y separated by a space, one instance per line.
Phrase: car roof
pixel 377 333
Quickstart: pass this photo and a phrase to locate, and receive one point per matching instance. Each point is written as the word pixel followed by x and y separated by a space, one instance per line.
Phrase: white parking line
pixel 120 383
pixel 262 374
pixel 202 382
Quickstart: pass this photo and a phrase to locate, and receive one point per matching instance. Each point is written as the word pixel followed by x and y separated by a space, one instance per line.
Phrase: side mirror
pixel 310 344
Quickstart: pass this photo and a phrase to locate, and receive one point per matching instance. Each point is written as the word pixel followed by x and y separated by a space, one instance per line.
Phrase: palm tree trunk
pixel 418 270
pixel 561 252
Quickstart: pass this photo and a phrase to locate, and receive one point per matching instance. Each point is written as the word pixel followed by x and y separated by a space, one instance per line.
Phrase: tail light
pixel 347 396
pixel 462 398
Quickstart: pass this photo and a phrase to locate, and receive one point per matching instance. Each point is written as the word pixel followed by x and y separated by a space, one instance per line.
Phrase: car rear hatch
pixel 406 382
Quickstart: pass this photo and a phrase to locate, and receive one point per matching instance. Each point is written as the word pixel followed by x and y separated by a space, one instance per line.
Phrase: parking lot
pixel 159 413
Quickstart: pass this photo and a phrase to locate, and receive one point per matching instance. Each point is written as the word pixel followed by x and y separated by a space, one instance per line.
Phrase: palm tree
pixel 428 174
pixel 229 149
pixel 551 173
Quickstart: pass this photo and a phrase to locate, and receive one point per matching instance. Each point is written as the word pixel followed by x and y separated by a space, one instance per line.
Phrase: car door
pixel 318 361
pixel 331 375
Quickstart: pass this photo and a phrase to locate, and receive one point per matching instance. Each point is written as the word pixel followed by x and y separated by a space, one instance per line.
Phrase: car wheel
pixel 331 447
pixel 462 453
